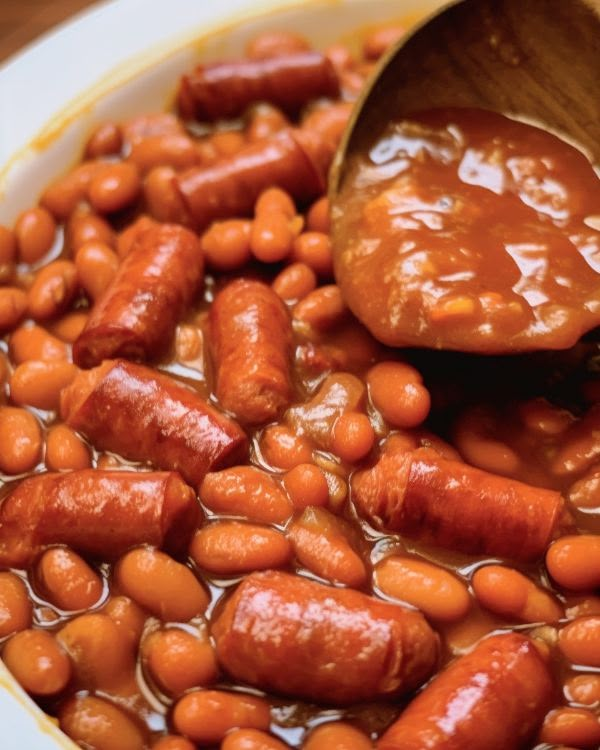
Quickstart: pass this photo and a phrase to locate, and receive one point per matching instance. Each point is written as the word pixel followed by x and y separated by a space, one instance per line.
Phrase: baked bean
pixel 474 438
pixel 378 42
pixel 306 485
pixel 397 391
pixel 337 735
pixel 13 304
pixel 580 641
pixel 105 140
pixel 35 231
pixel 8 246
pixel 67 581
pixel 96 266
pixel 227 142
pixel 146 126
pixel 188 343
pixel 163 200
pixel 20 440
pixel 173 742
pixel 226 244
pixel 321 545
pixel 583 689
pixel 574 562
pixel 541 417
pixel 64 195
pixel 37 383
pixel 587 605
pixel 353 436
pixel 314 249
pixel 510 594
pixel 206 716
pixel 178 660
pixel 295 282
pixel 340 56
pixel 230 547
pixel 34 342
pixel 95 723
pixel 585 492
pixel 438 593
pixel 115 188
pixel 274 44
pixel 251 739
pixel 245 491
pixel 69 326
pixel 577 727
pixel 130 234
pixel 265 121
pixel 52 290
pixel 128 617
pixel 37 662
pixel 274 200
pixel 317 218
pixel 171 150
pixel 321 309
pixel 271 237
pixel 15 605
pixel 330 120
pixel 160 584
pixel 283 449
pixel 85 227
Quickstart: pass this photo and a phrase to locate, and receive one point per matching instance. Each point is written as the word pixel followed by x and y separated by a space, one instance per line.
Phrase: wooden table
pixel 21 21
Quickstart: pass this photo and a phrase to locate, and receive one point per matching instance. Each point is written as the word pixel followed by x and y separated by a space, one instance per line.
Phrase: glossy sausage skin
pixel 286 634
pixel 136 316
pixel 493 698
pixel 251 339
pixel 97 513
pixel 291 159
pixel 146 416
pixel 453 505
pixel 220 90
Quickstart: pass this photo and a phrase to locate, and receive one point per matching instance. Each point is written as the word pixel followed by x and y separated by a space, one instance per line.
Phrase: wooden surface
pixel 21 21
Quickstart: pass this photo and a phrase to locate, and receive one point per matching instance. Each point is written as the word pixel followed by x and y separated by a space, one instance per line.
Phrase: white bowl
pixel 121 58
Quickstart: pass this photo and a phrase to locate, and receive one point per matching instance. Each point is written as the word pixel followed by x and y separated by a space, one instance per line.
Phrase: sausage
pixel 97 513
pixel 226 89
pixel 286 634
pixel 293 160
pixel 137 314
pixel 493 698
pixel 251 340
pixel 146 416
pixel 450 504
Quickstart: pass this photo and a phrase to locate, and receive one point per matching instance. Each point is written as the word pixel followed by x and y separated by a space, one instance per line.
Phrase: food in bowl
pixel 233 518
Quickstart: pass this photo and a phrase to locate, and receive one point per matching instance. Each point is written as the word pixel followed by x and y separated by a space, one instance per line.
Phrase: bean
pixel 69 326
pixel 128 617
pixel 230 547
pixel 330 120
pixel 37 662
pixel 321 545
pixel 227 142
pixel 188 343
pixel 67 581
pixel 245 491
pixel 306 485
pixel 438 593
pixel 63 196
pixel 583 689
pixel 173 742
pixel 283 449
pixel 106 140
pixel 317 218
pixel 265 120
pixel 130 234
pixel 574 562
pixel 65 450
pixel 115 188
pixel 295 282
pixel 322 309
pixel 579 641
pixel 8 246
pixel 84 227
pixel 544 418
pixel 571 726
pixel 145 126
pixel 34 342
pixel 397 391
pixel 251 739
pixel 377 42
pixel 52 290
pixel 275 43
pixel 584 493
pixel 274 200
pixel 337 735
pixel 37 383
pixel 95 723
pixel 226 244
pixel 474 438
pixel 160 584
pixel 13 304
pixel 96 266
pixel 35 231
pixel 353 436
pixel 178 660
pixel 271 237
pixel 15 605
pixel 341 56
pixel 163 200
pixel 206 716
pixel 175 150
pixel 20 440
pixel 314 249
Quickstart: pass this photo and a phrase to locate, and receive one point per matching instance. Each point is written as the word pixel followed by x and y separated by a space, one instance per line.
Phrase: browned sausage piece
pixel 220 90
pixel 146 416
pixel 291 159
pixel 97 513
pixel 251 338
pixel 137 314
pixel 450 504
pixel 491 699
pixel 286 634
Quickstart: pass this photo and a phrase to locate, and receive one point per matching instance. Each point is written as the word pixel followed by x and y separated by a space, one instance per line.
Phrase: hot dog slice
pixel 136 316
pixel 97 513
pixel 450 504
pixel 491 699
pixel 226 89
pixel 146 416
pixel 293 636
pixel 251 338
